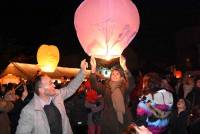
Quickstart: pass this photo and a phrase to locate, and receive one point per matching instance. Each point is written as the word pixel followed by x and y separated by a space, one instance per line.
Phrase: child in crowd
pixel 95 104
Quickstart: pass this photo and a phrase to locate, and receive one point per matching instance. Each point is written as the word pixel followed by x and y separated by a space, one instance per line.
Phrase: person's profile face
pixel 48 86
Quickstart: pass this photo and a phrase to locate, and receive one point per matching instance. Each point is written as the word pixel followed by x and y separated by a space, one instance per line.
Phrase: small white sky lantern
pixel 106 27
pixel 48 57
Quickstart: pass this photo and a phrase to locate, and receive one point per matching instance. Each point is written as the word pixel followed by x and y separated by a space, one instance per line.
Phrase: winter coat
pixel 156 117
pixel 33 119
pixel 178 121
pixel 110 123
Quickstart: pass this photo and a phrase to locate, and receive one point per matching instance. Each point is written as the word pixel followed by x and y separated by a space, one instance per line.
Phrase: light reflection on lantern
pixel 106 27
pixel 48 57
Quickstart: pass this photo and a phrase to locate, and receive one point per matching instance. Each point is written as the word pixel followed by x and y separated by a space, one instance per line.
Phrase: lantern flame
pixel 106 51
pixel 47 68
pixel 178 74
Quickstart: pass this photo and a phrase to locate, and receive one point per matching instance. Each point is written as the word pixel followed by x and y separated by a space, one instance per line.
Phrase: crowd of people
pixel 121 104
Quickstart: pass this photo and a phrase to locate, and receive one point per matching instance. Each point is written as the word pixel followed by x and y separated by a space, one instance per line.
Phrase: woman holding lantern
pixel 116 115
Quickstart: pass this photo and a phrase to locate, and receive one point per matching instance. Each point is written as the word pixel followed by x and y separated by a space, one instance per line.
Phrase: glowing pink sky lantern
pixel 106 27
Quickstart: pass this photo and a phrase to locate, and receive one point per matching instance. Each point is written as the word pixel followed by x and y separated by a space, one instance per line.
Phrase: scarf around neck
pixel 118 99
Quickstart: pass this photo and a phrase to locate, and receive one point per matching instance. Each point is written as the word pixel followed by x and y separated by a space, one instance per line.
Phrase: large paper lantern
pixel 48 57
pixel 106 27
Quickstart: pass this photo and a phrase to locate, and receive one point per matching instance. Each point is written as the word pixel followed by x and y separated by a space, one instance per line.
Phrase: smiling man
pixel 45 113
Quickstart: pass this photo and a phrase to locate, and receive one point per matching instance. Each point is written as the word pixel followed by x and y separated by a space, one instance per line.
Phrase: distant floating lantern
pixel 48 57
pixel 106 27
pixel 178 74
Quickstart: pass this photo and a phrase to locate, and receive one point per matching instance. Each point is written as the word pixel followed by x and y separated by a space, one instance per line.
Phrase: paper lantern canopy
pixel 10 78
pixel 48 57
pixel 106 27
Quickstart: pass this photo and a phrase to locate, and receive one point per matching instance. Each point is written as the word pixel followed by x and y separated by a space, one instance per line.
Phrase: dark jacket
pixel 5 106
pixel 110 123
pixel 194 98
pixel 179 122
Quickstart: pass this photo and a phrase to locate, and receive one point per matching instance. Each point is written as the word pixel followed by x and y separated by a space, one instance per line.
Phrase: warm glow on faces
pixel 48 86
pixel 115 76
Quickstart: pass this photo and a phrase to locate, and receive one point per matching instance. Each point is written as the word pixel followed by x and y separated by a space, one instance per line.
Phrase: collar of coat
pixel 37 104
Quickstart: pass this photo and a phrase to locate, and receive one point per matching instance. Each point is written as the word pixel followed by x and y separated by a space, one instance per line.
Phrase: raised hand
pixel 84 65
pixel 25 93
pixel 123 62
pixel 93 64
pixel 142 130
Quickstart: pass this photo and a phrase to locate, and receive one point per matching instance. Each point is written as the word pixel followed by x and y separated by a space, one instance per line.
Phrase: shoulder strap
pixel 163 97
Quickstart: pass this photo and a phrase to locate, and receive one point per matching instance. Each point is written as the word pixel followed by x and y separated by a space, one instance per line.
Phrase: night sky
pixel 26 24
